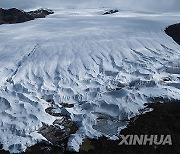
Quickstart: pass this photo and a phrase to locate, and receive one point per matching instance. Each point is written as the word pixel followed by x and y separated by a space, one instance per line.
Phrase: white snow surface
pixel 81 57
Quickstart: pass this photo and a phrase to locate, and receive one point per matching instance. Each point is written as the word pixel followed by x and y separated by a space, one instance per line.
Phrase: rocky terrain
pixel 111 12
pixel 13 15
pixel 174 32
pixel 164 119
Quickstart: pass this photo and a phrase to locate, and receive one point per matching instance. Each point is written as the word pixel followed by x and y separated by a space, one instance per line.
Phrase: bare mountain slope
pixel 11 16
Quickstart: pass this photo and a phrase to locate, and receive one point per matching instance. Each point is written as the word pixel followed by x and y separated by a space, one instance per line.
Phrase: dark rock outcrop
pixel 13 15
pixel 174 32
pixel 57 134
pixel 110 12
pixel 40 13
pixel 163 120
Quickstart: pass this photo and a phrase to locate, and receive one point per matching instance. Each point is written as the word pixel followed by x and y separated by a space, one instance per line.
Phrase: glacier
pixel 108 66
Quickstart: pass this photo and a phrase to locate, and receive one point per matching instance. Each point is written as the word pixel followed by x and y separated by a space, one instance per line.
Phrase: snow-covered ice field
pixel 108 66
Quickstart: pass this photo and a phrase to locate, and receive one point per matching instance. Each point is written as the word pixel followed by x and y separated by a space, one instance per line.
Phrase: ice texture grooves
pixel 107 66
